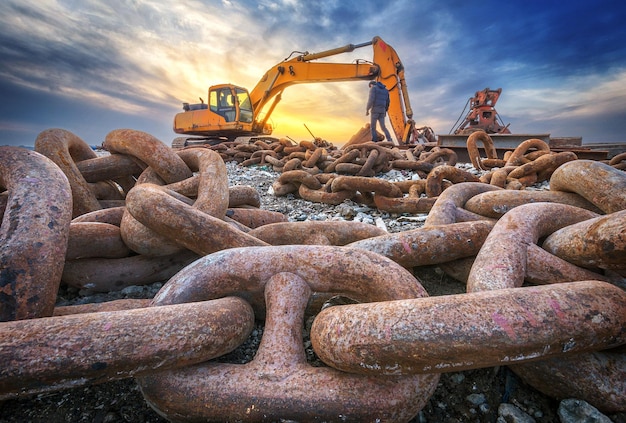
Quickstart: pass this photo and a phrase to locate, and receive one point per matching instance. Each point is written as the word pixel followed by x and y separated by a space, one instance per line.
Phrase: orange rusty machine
pixel 482 115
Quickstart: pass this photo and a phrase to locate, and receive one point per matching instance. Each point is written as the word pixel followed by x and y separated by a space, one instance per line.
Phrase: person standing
pixel 378 103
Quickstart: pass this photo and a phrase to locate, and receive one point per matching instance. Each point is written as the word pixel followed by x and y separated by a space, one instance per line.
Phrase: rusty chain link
pixel 279 376
pixel 542 271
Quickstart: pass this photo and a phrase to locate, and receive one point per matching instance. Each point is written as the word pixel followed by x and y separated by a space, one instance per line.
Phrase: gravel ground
pixel 483 395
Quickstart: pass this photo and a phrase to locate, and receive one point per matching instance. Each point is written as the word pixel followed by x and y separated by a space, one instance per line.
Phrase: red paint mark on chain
pixel 557 308
pixel 406 246
pixel 504 324
pixel 531 318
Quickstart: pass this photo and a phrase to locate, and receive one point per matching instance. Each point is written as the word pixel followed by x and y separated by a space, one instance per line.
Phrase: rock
pixel 578 411
pixel 476 399
pixel 508 413
pixel 457 378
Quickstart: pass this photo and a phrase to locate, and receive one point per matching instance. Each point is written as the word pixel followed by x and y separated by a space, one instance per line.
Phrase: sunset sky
pixel 93 66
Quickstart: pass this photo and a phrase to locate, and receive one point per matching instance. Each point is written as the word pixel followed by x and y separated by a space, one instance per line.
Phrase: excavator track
pixel 182 142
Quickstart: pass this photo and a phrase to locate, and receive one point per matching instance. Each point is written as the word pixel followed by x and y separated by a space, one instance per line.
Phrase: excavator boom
pixel 275 80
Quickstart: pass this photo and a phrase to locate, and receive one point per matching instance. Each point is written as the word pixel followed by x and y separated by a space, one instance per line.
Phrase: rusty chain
pixel 308 169
pixel 147 213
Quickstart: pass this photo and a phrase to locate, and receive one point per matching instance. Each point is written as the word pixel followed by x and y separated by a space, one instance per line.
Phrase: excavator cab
pixel 228 114
pixel 232 103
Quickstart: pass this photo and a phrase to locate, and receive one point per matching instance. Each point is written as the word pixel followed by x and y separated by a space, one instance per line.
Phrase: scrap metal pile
pixel 544 272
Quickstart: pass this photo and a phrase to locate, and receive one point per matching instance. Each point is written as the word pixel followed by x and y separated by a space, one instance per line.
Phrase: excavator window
pixel 222 102
pixel 245 105
pixel 213 101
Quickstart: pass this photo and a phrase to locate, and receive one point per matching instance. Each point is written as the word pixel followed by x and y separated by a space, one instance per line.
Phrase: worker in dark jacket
pixel 378 103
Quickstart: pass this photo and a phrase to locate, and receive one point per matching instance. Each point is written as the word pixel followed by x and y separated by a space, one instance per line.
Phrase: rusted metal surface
pixel 597 377
pixel 143 240
pixel 183 224
pixel 120 168
pixel 618 161
pixel 501 262
pixel 112 166
pixel 114 305
pixel 279 384
pixel 545 268
pixel 301 177
pixel 542 268
pixel 323 196
pixel 541 168
pixel 365 184
pixel 359 274
pixel 474 153
pixel 112 216
pixel 253 218
pixel 593 243
pixel 243 195
pixel 434 182
pixel 585 177
pixel 34 233
pixel 449 333
pixel 107 274
pixel 163 160
pixel 446 208
pixel 529 159
pixel 81 245
pixel 210 193
pixel 65 149
pixel 495 204
pixel 52 353
pixel 409 204
pixel 516 158
pixel 213 195
pixel 315 232
pixel 430 244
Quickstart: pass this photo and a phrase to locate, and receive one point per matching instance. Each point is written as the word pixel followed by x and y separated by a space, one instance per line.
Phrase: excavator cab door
pixel 246 113
pixel 222 102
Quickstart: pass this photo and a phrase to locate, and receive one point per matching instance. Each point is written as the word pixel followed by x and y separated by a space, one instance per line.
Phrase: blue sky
pixel 94 66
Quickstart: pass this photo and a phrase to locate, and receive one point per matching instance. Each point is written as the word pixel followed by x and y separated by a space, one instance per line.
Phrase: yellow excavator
pixel 232 112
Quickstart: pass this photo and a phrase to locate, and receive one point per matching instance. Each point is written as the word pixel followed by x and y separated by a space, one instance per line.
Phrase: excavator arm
pixel 271 86
pixel 386 66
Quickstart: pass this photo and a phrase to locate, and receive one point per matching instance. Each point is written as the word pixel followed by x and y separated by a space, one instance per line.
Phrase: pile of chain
pixel 319 172
pixel 543 271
